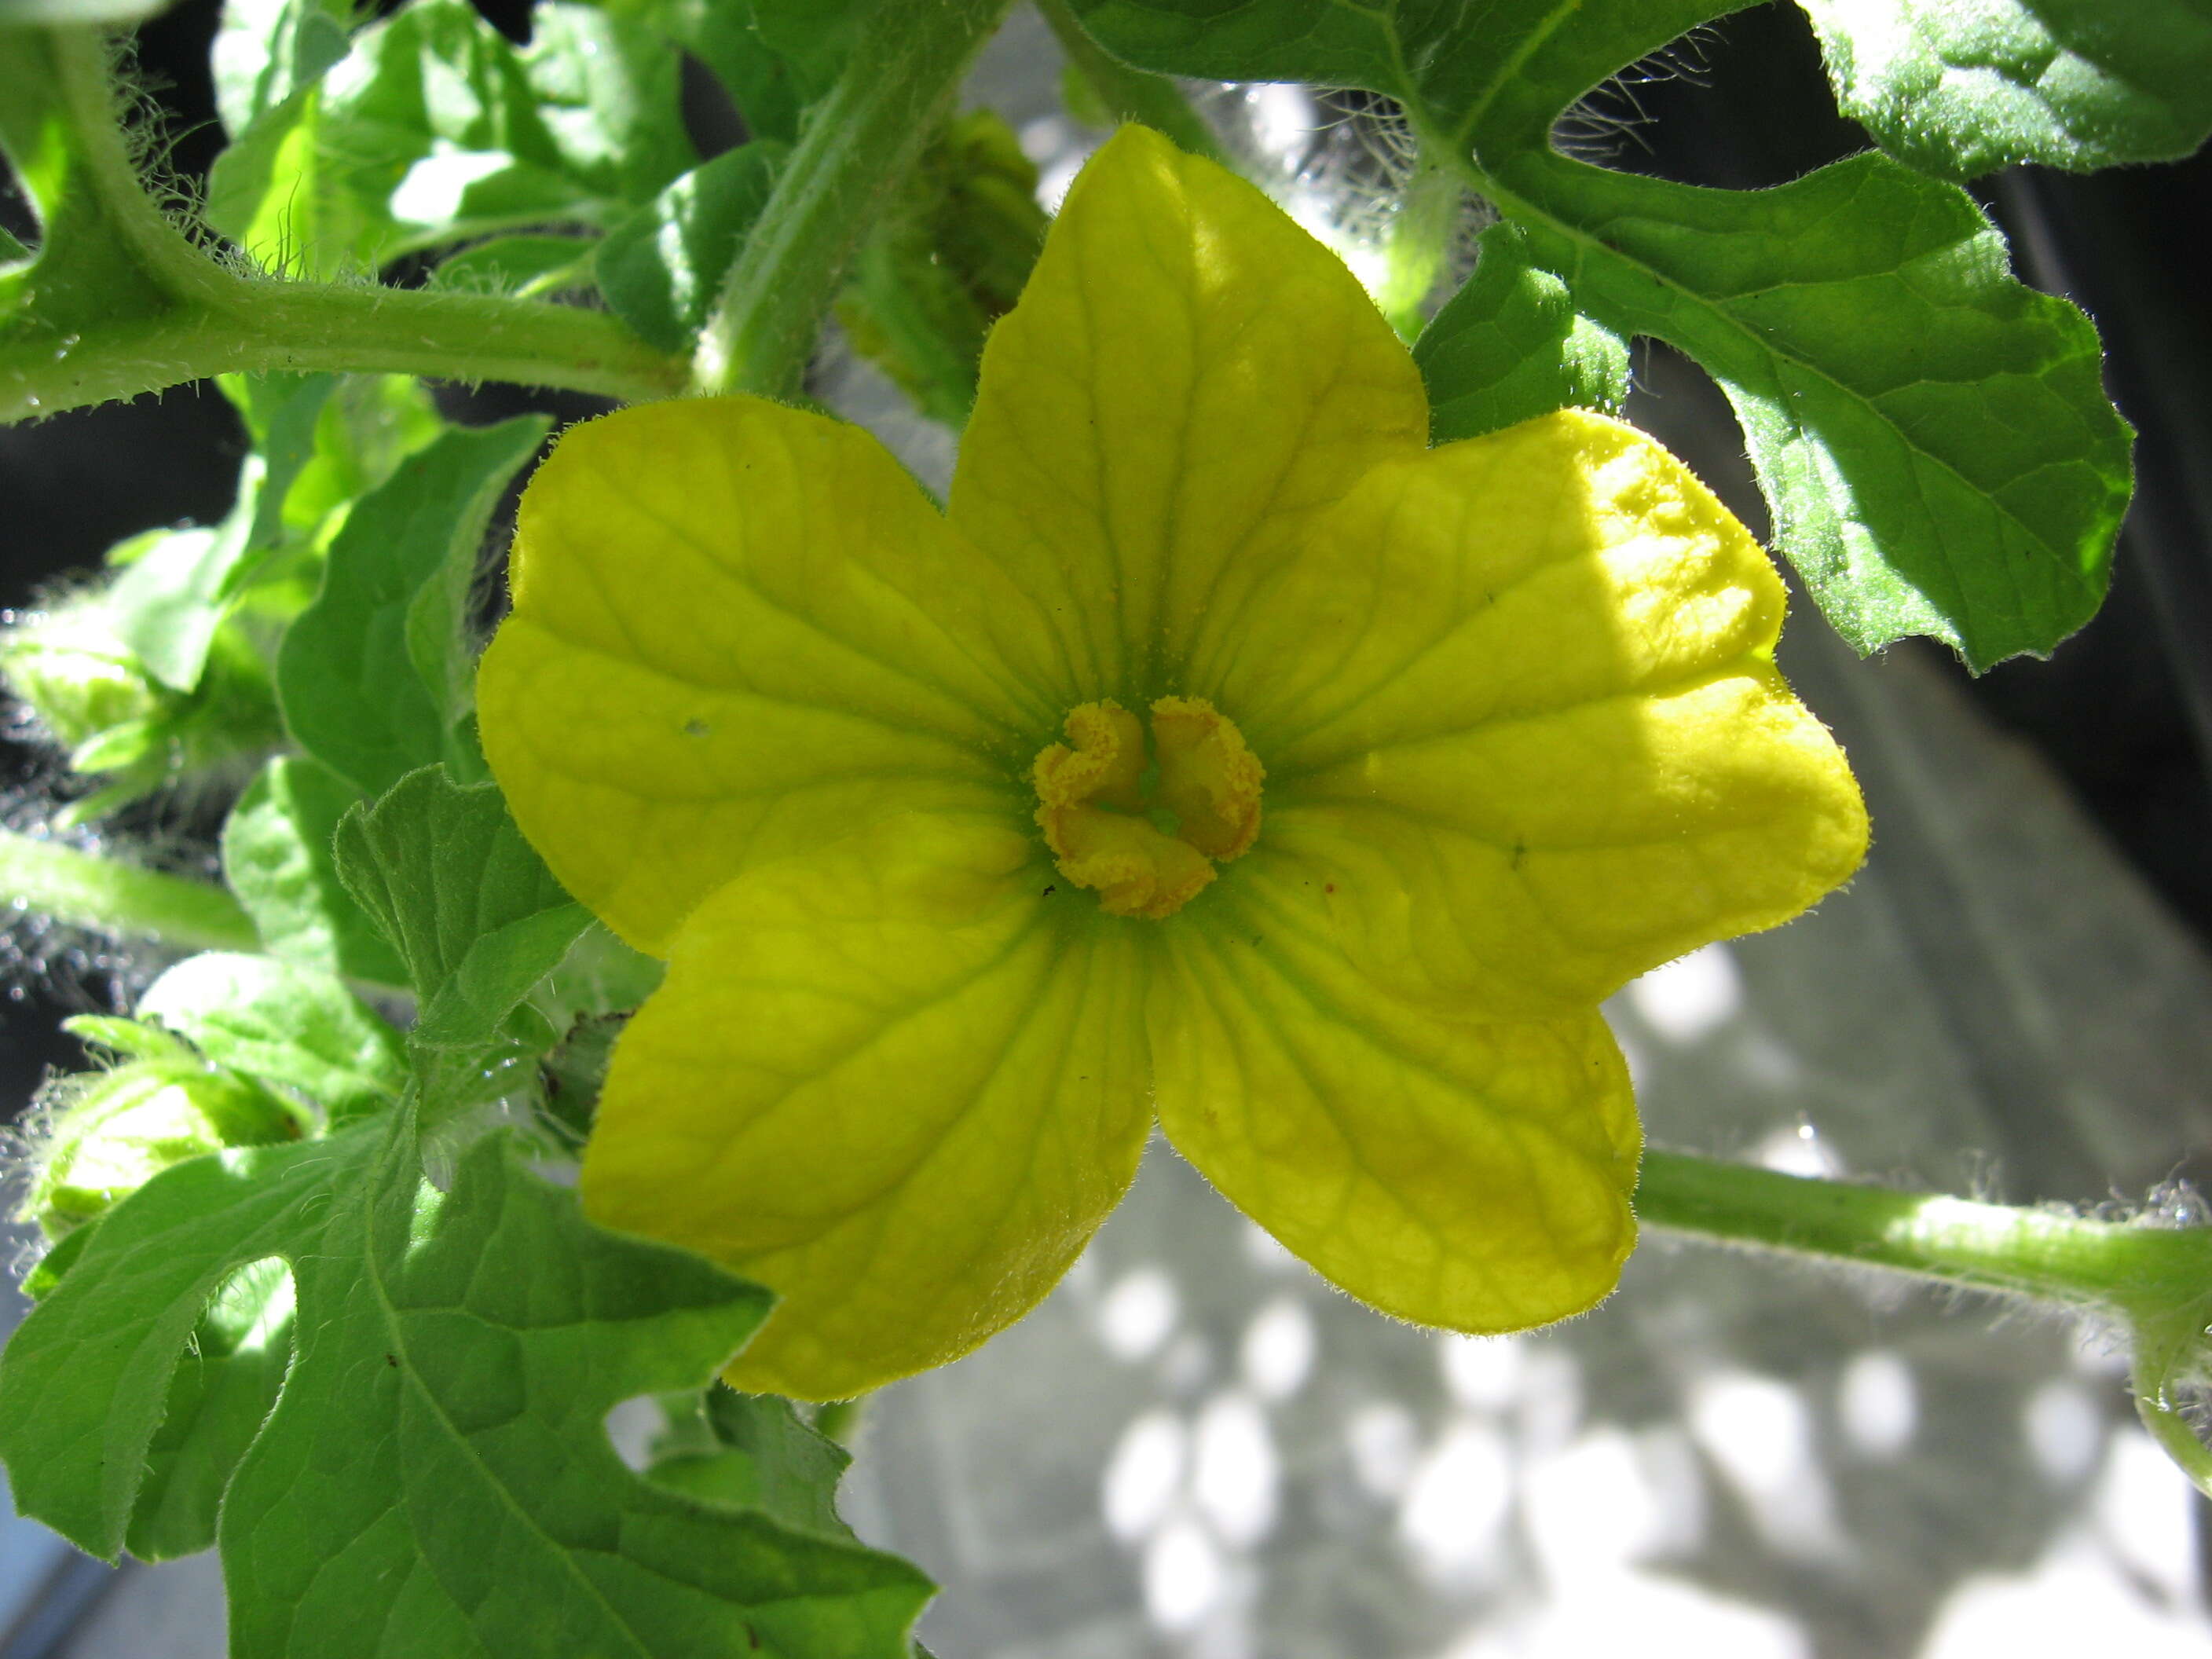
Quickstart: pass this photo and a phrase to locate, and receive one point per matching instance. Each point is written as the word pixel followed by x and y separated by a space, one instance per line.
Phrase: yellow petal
pixel 893 1081
pixel 739 630
pixel 1472 1175
pixel 1187 379
pixel 1522 728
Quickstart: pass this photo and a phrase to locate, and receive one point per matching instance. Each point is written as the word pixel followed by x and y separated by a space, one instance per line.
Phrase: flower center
pixel 1146 828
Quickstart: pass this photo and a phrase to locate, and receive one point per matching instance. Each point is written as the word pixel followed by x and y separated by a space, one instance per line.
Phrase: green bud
pixel 109 1134
pixel 947 261
pixel 83 683
pixel 100 703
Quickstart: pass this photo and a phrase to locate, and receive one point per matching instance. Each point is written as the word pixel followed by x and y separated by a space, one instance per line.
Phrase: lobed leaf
pixel 278 859
pixel 437 1454
pixel 170 598
pixel 472 909
pixel 1932 437
pixel 752 1450
pixel 1936 448
pixel 434 128
pixel 1510 346
pixel 225 1386
pixel 1960 90
pixel 661 268
pixel 374 677
pixel 284 1025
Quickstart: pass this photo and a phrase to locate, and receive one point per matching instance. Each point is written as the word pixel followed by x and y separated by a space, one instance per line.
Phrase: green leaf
pixel 42 1278
pixel 169 602
pixel 661 268
pixel 221 1396
pixel 176 586
pixel 283 1025
pixel 83 1389
pixel 475 914
pixel 285 417
pixel 370 685
pixel 435 129
pixel 368 425
pixel 1962 90
pixel 276 192
pixel 751 1451
pixel 1510 346
pixel 268 51
pixel 278 859
pixel 1932 437
pixel 126 1037
pixel 522 266
pixel 436 1468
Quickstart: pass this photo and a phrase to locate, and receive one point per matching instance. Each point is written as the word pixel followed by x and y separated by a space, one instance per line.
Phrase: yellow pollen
pixel 1095 811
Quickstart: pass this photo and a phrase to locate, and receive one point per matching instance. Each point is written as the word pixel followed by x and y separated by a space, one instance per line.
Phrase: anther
pixel 1093 807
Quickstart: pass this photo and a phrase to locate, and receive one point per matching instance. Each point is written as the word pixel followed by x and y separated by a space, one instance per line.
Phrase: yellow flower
pixel 1222 757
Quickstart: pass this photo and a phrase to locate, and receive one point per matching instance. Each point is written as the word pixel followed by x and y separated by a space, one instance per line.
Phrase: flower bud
pixel 107 1133
pixel 97 702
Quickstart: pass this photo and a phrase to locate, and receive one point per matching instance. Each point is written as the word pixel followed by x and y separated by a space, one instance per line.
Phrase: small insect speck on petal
pixel 696 728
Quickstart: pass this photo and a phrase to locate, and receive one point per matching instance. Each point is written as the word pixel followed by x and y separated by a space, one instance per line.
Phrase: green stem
pixel 1419 243
pixel 2127 1270
pixel 85 890
pixel 857 145
pixel 2155 1282
pixel 80 58
pixel 261 325
pixel 219 320
pixel 1132 94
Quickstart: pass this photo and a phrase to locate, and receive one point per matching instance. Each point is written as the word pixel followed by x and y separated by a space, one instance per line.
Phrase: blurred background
pixel 1195 1447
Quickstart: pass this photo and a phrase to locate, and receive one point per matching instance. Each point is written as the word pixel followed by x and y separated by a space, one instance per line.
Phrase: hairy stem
pixel 1419 243
pixel 857 144
pixel 2153 1282
pixel 262 325
pixel 45 878
pixel 210 319
pixel 2051 1256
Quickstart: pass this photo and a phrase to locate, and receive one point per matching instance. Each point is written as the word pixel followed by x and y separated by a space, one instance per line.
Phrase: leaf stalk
pixel 45 878
pixel 222 320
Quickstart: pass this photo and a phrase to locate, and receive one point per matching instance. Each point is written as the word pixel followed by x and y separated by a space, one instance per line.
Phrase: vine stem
pixel 2049 1255
pixel 858 144
pixel 2155 1282
pixel 46 878
pixel 1418 245
pixel 221 321
pixel 364 329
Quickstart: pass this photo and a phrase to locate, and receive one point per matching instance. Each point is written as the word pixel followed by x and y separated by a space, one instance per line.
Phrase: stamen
pixel 1092 803
pixel 1208 778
